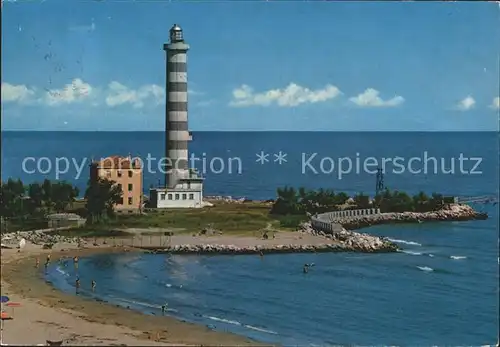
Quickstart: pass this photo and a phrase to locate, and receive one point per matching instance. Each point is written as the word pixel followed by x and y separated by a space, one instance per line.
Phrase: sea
pixel 440 289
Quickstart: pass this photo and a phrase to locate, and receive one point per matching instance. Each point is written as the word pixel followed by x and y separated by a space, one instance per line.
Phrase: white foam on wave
pixel 410 252
pixel 412 243
pixel 425 268
pixel 431 255
pixel 62 272
pixel 458 257
pixel 223 320
pixel 233 322
pixel 261 329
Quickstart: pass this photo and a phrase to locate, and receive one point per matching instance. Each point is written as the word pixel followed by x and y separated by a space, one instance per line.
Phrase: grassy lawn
pixel 233 218
pixel 230 218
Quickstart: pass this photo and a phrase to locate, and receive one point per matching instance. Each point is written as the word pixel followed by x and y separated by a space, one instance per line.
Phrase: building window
pixel 162 196
pixel 169 196
pixel 108 174
pixel 119 173
pixel 184 196
pixel 120 202
pixel 176 196
pixel 130 187
pixel 130 201
pixel 130 173
pixel 191 196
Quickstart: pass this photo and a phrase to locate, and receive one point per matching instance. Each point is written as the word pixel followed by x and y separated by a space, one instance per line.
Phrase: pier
pixel 482 199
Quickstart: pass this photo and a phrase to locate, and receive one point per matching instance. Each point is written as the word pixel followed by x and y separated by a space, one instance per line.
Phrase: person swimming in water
pixel 306 267
pixel 93 284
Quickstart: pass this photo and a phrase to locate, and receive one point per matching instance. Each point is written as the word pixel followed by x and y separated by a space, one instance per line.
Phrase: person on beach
pixel 77 284
pixel 164 308
pixel 37 262
pixel 261 254
pixel 93 285
pixel 48 258
pixel 75 262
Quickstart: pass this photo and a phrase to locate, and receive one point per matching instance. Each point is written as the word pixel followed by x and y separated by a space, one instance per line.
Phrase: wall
pixel 331 221
pixel 121 177
pixel 176 198
pixel 62 223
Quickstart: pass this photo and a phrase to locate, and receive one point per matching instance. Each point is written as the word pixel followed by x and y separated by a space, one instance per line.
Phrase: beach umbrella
pixel 5 316
pixel 4 299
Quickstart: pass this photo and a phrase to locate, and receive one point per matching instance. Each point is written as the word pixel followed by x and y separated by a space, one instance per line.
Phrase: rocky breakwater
pixel 38 237
pixel 351 241
pixel 451 212
pixel 346 243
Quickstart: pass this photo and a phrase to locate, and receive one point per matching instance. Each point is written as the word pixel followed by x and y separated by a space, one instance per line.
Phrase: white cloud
pixel 76 91
pixel 119 94
pixel 292 95
pixel 195 92
pixel 370 98
pixel 465 104
pixel 84 28
pixel 495 104
pixel 16 93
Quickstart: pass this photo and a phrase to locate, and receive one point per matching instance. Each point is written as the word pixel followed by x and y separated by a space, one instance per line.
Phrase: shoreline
pixel 75 318
pixel 55 315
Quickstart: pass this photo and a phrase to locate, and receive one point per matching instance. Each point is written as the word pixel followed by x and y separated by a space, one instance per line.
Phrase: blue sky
pixel 350 66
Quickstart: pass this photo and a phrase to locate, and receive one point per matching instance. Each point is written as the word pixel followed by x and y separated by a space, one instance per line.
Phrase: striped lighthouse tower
pixel 177 133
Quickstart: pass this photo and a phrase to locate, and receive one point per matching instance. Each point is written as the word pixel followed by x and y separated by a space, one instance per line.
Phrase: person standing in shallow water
pixel 93 285
pixel 75 262
pixel 77 284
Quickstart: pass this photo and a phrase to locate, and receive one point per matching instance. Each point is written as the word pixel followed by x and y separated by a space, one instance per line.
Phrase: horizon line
pixel 254 131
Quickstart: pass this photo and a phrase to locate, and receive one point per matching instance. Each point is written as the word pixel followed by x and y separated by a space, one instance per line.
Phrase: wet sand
pixel 49 314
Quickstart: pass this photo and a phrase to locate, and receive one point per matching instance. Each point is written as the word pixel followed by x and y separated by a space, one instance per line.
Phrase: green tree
pixel 362 201
pixel 101 195
pixel 436 201
pixel 421 202
pixel 287 202
pixel 35 193
pixel 63 194
pixel 12 198
pixel 47 195
pixel 341 198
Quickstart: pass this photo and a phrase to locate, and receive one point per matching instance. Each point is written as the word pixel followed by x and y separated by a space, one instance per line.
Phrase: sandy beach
pixel 54 315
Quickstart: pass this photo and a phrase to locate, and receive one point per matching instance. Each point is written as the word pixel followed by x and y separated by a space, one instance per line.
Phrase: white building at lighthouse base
pixel 186 193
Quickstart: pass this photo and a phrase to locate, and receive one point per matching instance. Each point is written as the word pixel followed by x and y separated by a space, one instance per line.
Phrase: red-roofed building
pixel 127 173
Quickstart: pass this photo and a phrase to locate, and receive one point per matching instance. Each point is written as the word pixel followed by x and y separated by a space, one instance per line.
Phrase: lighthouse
pixel 183 185
pixel 176 107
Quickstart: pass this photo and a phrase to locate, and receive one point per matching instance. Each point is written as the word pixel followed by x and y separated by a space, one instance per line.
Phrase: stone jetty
pixel 349 245
pixel 451 212
pixel 351 240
